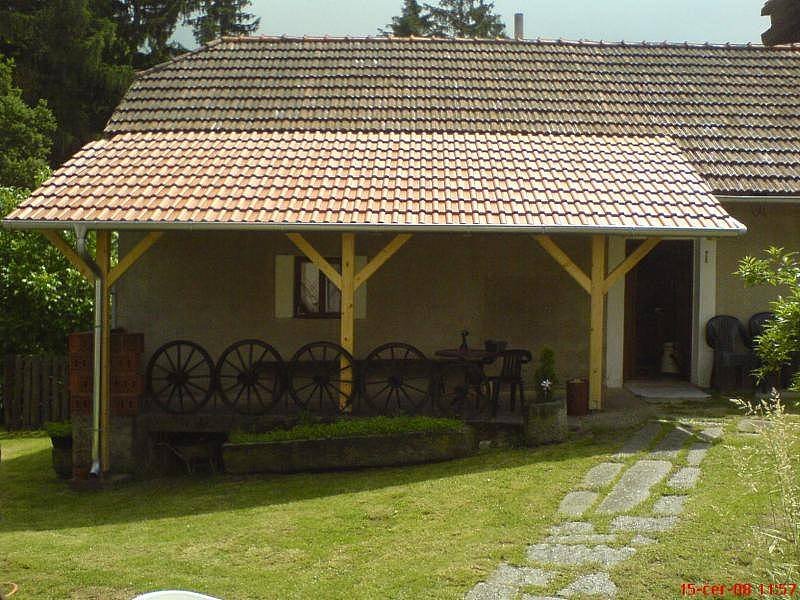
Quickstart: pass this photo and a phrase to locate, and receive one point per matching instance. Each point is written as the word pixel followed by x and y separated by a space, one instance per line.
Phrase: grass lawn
pixel 417 532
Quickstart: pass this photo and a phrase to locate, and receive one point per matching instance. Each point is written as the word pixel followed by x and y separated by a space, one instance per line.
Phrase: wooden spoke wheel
pixel 180 377
pixel 322 377
pixel 396 379
pixel 250 376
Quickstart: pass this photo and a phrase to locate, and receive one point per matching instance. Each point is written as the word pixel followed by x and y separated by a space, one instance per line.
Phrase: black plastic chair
pixel 756 325
pixel 733 360
pixel 510 375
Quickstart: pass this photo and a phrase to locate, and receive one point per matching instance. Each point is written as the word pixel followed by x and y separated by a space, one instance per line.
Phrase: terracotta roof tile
pixel 735 110
pixel 274 178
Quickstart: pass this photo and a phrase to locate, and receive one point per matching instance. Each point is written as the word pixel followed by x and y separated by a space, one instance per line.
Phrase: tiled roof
pixel 733 110
pixel 377 178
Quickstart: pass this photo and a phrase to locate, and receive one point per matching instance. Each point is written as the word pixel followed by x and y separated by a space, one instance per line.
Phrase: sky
pixel 736 21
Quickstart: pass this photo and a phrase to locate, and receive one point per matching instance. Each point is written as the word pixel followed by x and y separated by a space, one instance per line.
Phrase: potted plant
pixel 545 375
pixel 546 418
pixel 60 433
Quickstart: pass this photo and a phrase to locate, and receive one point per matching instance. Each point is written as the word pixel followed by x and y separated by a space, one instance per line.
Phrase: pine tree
pixel 145 28
pixel 411 22
pixel 466 18
pixel 216 18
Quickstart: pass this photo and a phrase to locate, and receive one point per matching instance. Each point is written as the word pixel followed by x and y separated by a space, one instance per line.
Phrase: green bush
pixel 344 428
pixel 780 342
pixel 58 429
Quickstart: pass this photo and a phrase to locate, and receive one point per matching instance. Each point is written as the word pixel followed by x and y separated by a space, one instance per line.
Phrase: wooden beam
pixel 380 258
pixel 630 261
pixel 61 244
pixel 103 260
pixel 597 318
pixel 348 303
pixel 565 261
pixel 315 257
pixel 131 257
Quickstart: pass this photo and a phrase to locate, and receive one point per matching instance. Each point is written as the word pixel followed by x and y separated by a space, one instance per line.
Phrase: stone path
pixel 585 544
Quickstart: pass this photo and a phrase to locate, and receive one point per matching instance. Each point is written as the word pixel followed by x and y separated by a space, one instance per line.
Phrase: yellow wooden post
pixel 348 312
pixel 104 263
pixel 598 296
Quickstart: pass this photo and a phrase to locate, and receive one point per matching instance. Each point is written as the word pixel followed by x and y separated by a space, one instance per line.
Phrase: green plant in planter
pixel 58 429
pixel 545 375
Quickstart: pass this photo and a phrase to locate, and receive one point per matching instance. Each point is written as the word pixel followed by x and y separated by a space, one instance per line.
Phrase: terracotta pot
pixel 578 397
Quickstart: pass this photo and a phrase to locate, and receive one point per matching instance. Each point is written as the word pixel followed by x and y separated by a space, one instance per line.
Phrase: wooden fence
pixel 34 390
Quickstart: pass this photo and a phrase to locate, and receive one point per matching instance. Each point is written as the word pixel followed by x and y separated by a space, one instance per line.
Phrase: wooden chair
pixel 510 375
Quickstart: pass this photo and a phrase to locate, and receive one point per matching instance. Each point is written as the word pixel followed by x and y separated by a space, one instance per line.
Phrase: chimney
pixel 518 28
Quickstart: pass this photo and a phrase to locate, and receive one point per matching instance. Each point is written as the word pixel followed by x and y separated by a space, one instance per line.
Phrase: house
pixel 505 187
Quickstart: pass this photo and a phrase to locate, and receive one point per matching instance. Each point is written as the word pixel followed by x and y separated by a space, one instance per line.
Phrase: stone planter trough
pixel 546 422
pixel 348 453
pixel 62 456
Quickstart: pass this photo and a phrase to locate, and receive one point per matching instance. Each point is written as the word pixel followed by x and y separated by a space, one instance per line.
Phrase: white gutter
pixel 80 234
pixel 766 199
pixel 387 228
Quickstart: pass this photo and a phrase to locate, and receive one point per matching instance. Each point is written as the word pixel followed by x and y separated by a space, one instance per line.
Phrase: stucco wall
pixel 216 288
pixel 767 225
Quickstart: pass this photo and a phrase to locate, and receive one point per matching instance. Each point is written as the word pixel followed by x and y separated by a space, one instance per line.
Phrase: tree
pixel 66 52
pixel 42 299
pixel 215 18
pixel 466 18
pixel 780 342
pixel 411 22
pixel 25 134
pixel 145 27
pixel 785 22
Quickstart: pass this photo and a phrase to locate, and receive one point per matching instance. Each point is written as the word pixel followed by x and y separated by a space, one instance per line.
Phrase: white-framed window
pixel 302 291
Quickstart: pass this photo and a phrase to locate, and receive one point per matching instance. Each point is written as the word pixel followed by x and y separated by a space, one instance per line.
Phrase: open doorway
pixel 658 312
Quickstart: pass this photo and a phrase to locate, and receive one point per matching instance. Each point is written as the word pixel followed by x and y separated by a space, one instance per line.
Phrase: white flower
pixel 546 384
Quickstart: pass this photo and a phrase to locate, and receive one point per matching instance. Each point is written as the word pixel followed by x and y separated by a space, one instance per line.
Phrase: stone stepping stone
pixel 506 579
pixel 529 597
pixel 572 528
pixel 594 584
pixel 669 505
pixel 575 504
pixel 633 488
pixel 568 554
pixel 642 540
pixel 704 423
pixel 643 524
pixel 753 425
pixel 685 479
pixel 592 538
pixel 487 591
pixel 697 453
pixel 712 433
pixel 601 475
pixel 639 441
pixel 672 443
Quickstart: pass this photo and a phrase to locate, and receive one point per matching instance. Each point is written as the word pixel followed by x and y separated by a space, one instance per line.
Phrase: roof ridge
pixel 500 40
pixel 180 57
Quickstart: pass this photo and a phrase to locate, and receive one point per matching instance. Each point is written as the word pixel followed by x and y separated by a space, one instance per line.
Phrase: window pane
pixel 309 288
pixel 333 297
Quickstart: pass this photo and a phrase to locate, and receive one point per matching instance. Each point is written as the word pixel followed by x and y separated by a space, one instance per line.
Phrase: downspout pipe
pixel 83 251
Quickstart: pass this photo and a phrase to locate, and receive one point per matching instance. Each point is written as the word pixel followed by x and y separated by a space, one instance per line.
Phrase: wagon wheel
pixel 250 376
pixel 396 379
pixel 180 377
pixel 321 377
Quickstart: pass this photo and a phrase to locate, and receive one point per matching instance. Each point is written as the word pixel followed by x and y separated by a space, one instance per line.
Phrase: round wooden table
pixel 473 361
